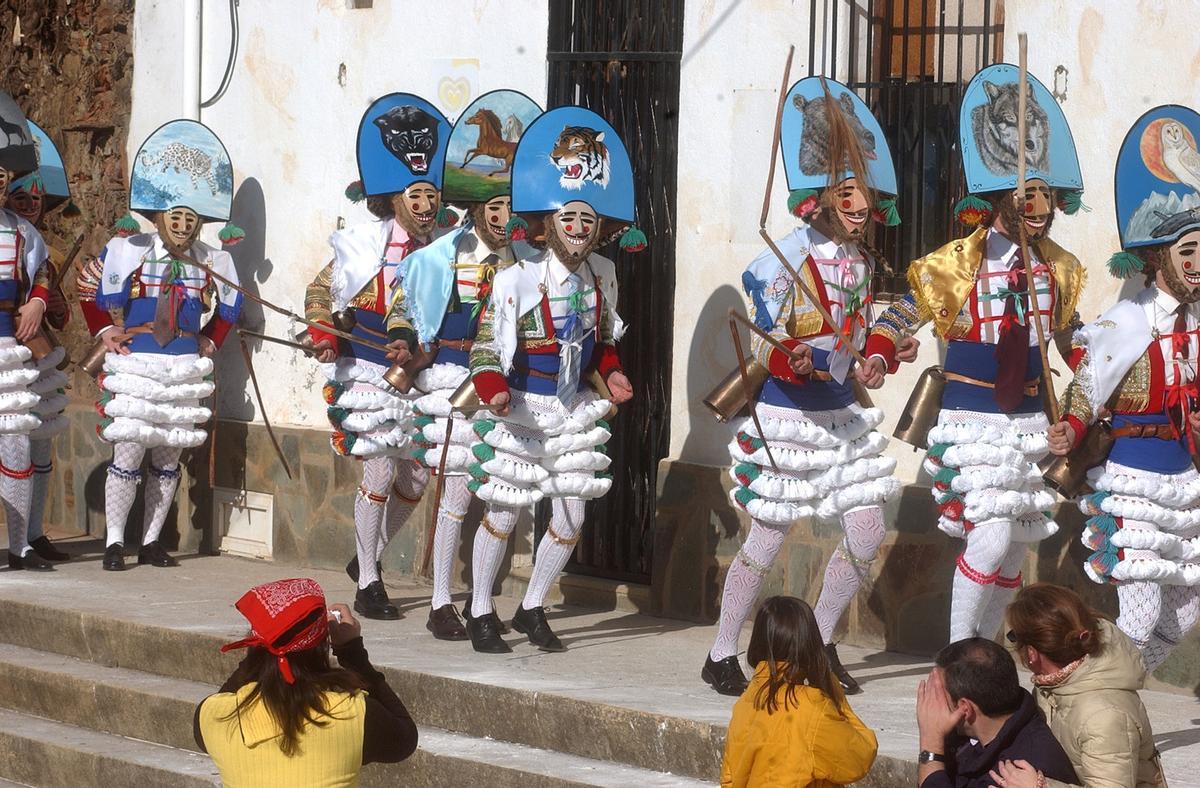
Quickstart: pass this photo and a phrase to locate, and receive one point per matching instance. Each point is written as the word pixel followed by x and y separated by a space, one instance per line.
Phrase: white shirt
pixel 156 266
pixel 473 255
pixel 558 289
pixel 842 268
pixel 998 257
pixel 1161 314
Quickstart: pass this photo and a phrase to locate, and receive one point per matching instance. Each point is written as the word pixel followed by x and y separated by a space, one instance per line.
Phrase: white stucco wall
pixel 305 72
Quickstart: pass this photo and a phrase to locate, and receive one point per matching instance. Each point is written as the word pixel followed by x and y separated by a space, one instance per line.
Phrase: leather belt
pixel 461 345
pixel 821 375
pixel 149 329
pixel 1162 431
pixel 534 373
pixel 8 306
pixel 1031 386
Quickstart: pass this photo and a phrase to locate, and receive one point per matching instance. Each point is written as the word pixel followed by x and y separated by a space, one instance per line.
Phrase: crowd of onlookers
pixel 289 716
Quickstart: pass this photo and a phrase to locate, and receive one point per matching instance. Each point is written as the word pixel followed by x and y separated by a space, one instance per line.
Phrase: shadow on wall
pixel 695 521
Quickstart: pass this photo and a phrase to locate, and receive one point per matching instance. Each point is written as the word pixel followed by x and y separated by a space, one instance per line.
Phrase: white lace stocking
pixel 1006 587
pixel 456 497
pixel 407 489
pixel 41 454
pixel 742 582
pixel 1157 617
pixel 849 566
pixel 975 576
pixel 161 483
pixel 120 489
pixel 555 549
pixel 15 486
pixel 378 473
pixel 490 542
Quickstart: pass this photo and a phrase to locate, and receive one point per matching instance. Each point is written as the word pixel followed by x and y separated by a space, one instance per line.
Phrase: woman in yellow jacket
pixel 792 726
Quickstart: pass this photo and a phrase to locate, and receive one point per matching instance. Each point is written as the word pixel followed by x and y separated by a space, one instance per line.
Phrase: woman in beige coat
pixel 1086 676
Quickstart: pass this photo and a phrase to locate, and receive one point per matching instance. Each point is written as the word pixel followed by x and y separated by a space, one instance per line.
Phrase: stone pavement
pixel 628 668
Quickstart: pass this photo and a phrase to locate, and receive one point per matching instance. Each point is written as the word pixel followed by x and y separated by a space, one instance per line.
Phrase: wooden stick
pixel 783 92
pixel 303 348
pixel 741 359
pixel 1031 296
pixel 770 340
pixel 262 408
pixel 68 263
pixel 438 490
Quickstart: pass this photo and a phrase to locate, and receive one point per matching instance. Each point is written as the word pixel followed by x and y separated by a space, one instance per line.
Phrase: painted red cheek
pixel 1188 265
pixel 569 227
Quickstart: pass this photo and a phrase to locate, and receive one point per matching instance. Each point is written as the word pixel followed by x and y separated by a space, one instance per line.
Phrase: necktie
pixel 1012 348
pixel 570 342
pixel 171 292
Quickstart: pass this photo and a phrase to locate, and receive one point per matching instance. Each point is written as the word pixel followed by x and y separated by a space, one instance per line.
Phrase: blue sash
pixel 978 360
pixel 1160 455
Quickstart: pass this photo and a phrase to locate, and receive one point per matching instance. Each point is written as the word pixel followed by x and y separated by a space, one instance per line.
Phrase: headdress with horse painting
pixel 483 145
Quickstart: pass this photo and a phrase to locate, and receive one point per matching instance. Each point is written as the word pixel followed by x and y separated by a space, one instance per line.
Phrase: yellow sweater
pixel 246 747
pixel 806 744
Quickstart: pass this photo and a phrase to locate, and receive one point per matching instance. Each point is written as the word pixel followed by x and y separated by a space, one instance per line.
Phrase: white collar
pixel 472 250
pixel 1000 248
pixel 160 252
pixel 1164 300
pixel 559 273
pixel 826 249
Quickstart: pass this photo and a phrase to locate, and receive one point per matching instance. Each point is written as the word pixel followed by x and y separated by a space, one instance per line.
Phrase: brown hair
pixel 1055 621
pixel 1155 257
pixel 381 205
pixel 787 638
pixel 293 706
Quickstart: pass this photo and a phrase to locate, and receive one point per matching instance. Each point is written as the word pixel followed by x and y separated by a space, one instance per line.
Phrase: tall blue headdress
pixel 183 164
pixel 569 154
pixel 483 145
pixel 1157 183
pixel 988 140
pixel 17 150
pixel 402 140
pixel 804 144
pixel 50 178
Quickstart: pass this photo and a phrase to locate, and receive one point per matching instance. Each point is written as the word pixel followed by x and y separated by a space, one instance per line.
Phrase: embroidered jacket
pixel 529 304
pixel 962 293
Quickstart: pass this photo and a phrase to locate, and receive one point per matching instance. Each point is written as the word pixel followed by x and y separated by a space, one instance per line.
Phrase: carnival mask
pixel 178 229
pixel 26 204
pixel 1180 271
pixel 6 177
pixel 491 220
pixel 416 208
pixel 851 207
pixel 1036 210
pixel 574 231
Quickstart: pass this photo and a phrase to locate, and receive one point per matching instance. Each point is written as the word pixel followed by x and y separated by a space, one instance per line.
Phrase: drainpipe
pixel 192 10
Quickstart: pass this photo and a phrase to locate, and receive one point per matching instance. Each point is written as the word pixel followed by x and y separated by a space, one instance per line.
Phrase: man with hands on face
pixel 818 454
pixel 401 147
pixel 158 364
pixel 24 292
pixel 551 317
pixel 1136 365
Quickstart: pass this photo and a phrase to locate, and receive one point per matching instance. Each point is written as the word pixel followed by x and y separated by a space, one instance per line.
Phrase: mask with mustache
pixel 178 228
pixel 416 208
pixel 1179 268
pixel 1036 211
pixel 574 232
pixel 491 220
pixel 844 214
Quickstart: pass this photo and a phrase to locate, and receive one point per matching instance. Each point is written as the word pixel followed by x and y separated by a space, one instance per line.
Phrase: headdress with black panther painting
pixel 402 140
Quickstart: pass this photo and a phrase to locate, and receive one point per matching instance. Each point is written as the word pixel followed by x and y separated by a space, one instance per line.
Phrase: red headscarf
pixel 274 608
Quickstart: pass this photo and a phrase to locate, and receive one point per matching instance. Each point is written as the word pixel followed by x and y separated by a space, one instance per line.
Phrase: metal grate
pixel 910 61
pixel 621 58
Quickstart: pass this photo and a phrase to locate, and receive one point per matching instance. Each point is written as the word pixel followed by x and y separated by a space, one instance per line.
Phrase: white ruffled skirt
pixel 984 468
pixel 17 398
pixel 431 410
pixel 369 418
pixel 51 388
pixel 542 448
pixel 153 399
pixel 828 462
pixel 1143 526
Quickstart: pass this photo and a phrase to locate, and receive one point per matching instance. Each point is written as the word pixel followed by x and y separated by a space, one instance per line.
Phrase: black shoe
pixel 352 568
pixel 114 558
pixel 485 632
pixel 845 679
pixel 155 555
pixel 45 548
pixel 445 624
pixel 726 676
pixel 31 561
pixel 533 624
pixel 373 602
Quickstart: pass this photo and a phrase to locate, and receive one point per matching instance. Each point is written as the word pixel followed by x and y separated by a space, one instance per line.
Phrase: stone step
pixel 50 754
pixel 131 704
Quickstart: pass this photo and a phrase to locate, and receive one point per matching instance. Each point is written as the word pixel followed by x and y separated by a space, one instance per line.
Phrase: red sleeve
pixel 488 384
pixel 779 366
pixel 1079 427
pixel 97 319
pixel 318 336
pixel 39 291
pixel 1074 357
pixel 608 361
pixel 879 345
pixel 217 329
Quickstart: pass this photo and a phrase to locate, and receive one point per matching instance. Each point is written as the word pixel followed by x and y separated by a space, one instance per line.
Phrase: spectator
pixel 974 693
pixel 1086 677
pixel 792 726
pixel 286 716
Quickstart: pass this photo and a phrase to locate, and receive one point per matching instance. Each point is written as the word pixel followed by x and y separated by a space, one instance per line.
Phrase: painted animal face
pixel 581 157
pixel 575 229
pixel 814 140
pixel 28 205
pixel 416 208
pixel 1182 276
pixel 411 135
pixel 851 207
pixel 994 127
pixel 1173 135
pixel 178 229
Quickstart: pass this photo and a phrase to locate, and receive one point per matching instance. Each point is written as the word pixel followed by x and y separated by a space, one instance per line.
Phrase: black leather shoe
pixel 445 624
pixel 155 555
pixel 373 602
pixel 46 549
pixel 31 561
pixel 726 676
pixel 485 632
pixel 352 568
pixel 533 625
pixel 114 558
pixel 845 679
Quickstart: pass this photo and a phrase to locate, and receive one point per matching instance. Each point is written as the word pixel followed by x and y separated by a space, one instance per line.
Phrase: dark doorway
pixel 621 59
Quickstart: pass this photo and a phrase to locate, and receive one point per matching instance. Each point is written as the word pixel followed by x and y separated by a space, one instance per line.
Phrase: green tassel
pixel 747 472
pixel 71 209
pixel 419 455
pixel 937 451
pixel 474 485
pixel 337 415
pixel 477 471
pixel 484 426
pixel 744 495
pixel 601 449
pixel 1125 265
pixel 604 425
pixel 1069 202
pixel 446 217
pixel 355 192
pixel 421 422
pixel 633 240
pixel 945 476
pixel 127 226
pixel 483 452
pixel 802 202
pixel 517 229
pixel 973 211
pixel 889 213
pixel 231 234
